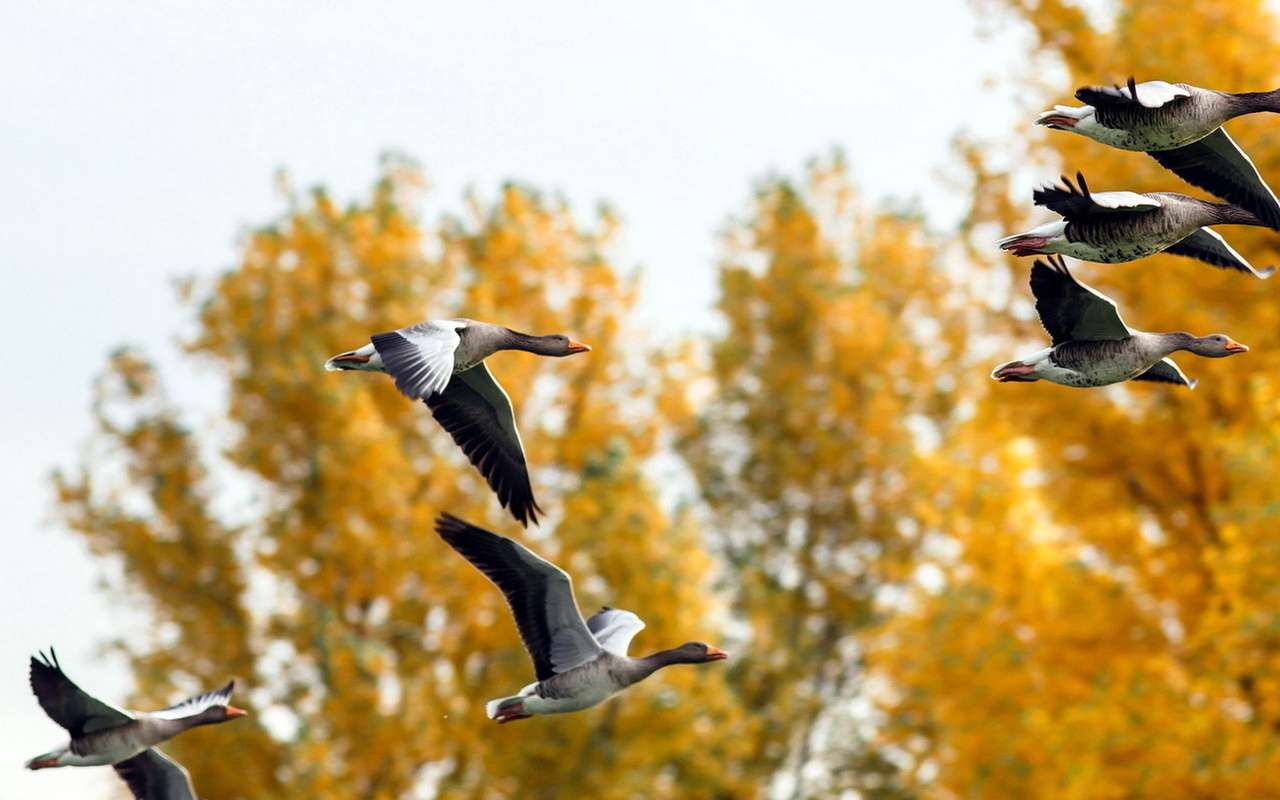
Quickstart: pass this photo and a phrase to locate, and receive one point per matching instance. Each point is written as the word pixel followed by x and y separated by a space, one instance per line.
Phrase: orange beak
pixel 716 654
pixel 578 347
pixel 1235 347
pixel 232 712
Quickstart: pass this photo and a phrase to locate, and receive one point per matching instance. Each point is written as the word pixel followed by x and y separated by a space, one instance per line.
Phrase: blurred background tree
pixel 839 369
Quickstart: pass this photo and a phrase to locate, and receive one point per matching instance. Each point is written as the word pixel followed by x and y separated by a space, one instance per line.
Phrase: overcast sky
pixel 138 139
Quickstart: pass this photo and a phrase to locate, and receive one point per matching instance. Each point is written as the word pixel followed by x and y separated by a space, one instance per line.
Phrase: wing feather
pixel 477 413
pixel 1218 165
pixel 420 357
pixel 151 775
pixel 1071 311
pixel 67 704
pixel 614 628
pixel 1207 245
pixel 539 593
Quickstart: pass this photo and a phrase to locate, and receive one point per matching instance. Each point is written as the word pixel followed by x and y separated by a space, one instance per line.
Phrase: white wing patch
pixel 420 357
pixel 1153 94
pixel 1118 200
pixel 614 629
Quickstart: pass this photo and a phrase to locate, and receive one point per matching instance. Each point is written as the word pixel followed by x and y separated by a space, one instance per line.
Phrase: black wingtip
pixel 1084 187
pixel 451 528
pixel 1133 89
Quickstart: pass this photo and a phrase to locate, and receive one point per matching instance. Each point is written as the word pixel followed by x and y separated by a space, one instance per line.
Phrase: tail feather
pixel 45 760
pixel 507 709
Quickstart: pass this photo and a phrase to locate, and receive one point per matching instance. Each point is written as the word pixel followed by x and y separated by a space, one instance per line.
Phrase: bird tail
pixel 46 760
pixel 365 359
pixel 506 709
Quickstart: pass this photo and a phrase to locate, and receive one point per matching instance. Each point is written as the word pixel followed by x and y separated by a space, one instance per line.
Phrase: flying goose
pixel 441 362
pixel 1179 126
pixel 103 734
pixel 1091 344
pixel 578 663
pixel 1111 227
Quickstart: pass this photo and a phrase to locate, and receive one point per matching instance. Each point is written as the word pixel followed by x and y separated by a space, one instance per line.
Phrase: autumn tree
pixel 1106 625
pixel 291 544
pixel 834 376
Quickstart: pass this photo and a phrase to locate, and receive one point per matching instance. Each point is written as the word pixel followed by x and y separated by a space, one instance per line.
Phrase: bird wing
pixel 477 413
pixel 1165 371
pixel 151 775
pixel 67 704
pixel 194 705
pixel 1148 94
pixel 1075 201
pixel 1207 245
pixel 1071 311
pixel 614 628
pixel 539 593
pixel 420 357
pixel 1218 165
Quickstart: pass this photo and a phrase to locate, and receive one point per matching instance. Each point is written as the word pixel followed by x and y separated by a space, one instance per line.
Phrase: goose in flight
pixel 1110 227
pixel 441 362
pixel 103 734
pixel 578 663
pixel 1179 126
pixel 1091 344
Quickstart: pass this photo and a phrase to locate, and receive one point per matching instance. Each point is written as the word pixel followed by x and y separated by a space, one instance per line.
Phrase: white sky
pixel 138 139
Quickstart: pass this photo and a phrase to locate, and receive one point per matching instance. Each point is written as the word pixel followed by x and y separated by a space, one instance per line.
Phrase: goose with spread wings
pixel 578 663
pixel 441 362
pixel 102 734
pixel 1111 227
pixel 1092 346
pixel 1180 126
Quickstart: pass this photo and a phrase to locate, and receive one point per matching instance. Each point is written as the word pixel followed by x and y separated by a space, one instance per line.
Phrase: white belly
pixel 585 699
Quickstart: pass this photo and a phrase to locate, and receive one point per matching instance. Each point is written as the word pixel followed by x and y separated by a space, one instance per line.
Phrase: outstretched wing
pixel 1165 371
pixel 151 775
pixel 477 413
pixel 1148 94
pixel 67 704
pixel 1207 245
pixel 1075 201
pixel 1218 165
pixel 539 593
pixel 614 629
pixel 1071 311
pixel 194 705
pixel 420 357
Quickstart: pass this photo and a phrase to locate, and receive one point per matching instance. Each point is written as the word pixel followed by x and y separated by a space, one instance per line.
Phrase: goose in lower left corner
pixel 102 734
pixel 579 663
pixel 1091 344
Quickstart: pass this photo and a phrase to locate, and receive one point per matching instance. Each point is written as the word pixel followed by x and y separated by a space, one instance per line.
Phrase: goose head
pixel 215 714
pixel 694 653
pixel 1215 345
pixel 556 345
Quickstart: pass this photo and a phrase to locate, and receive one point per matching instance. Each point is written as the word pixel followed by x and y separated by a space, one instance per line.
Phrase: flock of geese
pixel 1180 126
pixel 578 663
